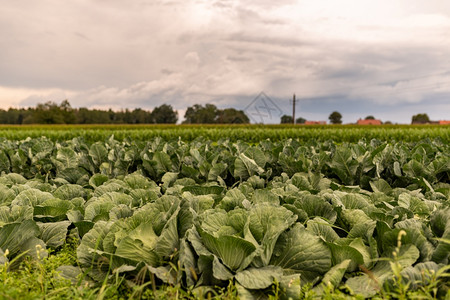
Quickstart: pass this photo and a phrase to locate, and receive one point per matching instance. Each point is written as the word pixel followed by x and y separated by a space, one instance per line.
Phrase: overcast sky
pixel 387 58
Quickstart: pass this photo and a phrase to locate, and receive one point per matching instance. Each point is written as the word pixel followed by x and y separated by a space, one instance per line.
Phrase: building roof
pixel 368 122
pixel 315 122
pixel 444 122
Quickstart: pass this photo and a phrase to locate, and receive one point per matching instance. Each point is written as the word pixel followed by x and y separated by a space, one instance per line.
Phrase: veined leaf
pixel 13 236
pixel 232 250
pixel 302 252
pixel 259 278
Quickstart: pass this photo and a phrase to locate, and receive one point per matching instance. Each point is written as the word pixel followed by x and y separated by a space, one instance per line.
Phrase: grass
pixel 24 278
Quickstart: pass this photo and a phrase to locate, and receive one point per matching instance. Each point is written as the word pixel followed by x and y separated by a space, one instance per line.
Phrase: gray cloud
pixel 145 53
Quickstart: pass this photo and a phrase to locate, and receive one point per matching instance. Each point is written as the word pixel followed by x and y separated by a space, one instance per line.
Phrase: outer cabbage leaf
pixel 15 235
pixel 344 166
pixel 31 197
pixel 333 277
pixel 315 206
pixel 54 234
pixel 259 278
pixel 323 229
pixel 369 286
pixel 232 250
pixel 266 224
pixel 90 253
pixel 301 252
pixel 15 214
pixel 70 191
pixel 138 245
pixel 6 195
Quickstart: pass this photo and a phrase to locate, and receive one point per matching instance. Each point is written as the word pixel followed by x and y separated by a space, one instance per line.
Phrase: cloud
pixel 353 55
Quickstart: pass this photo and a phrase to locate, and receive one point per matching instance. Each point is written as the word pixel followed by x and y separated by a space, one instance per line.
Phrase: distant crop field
pixel 248 133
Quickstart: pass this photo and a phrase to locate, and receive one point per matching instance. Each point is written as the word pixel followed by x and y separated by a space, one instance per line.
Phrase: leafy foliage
pixel 335 118
pixel 52 113
pixel 210 114
pixel 420 118
pixel 270 218
pixel 235 132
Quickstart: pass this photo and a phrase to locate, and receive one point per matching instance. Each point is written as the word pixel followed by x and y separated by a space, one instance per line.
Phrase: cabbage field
pixel 174 217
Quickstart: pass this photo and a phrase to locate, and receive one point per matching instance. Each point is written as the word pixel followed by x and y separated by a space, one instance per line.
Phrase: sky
pixel 386 58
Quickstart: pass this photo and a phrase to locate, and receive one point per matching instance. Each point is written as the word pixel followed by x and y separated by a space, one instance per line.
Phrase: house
pixel 369 122
pixel 444 122
pixel 315 122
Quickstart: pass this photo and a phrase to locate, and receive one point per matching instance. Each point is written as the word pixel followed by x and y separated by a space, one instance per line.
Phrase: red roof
pixel 368 122
pixel 444 122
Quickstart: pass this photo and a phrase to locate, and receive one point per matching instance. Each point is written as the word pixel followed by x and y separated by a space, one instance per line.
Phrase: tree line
pixel 63 113
pixel 336 118
pixel 52 113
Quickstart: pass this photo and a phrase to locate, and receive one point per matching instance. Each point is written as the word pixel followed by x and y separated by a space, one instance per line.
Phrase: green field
pixel 248 133
pixel 227 212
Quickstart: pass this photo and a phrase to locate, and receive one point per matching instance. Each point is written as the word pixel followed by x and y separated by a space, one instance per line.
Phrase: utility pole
pixel 293 109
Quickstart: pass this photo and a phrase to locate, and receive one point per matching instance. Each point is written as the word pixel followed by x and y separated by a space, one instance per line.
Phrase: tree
pixel 335 118
pixel 95 116
pixel 198 114
pixel 370 117
pixel 140 116
pixel 47 113
pixel 67 112
pixel 232 116
pixel 210 114
pixel 164 114
pixel 285 119
pixel 113 117
pixel 15 115
pixel 84 116
pixel 127 117
pixel 420 119
pixel 300 120
pixel 51 113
